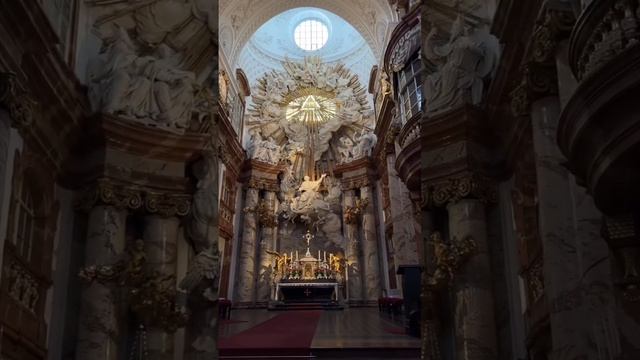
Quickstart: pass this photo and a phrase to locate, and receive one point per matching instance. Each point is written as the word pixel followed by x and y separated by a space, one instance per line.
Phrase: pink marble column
pixel 99 328
pixel 472 287
pixel 370 258
pixel 160 241
pixel 267 242
pixel 352 248
pixel 246 275
pixel 577 275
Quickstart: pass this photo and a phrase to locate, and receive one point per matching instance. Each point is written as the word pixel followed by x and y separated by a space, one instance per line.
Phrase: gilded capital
pixel 455 189
pixel 16 100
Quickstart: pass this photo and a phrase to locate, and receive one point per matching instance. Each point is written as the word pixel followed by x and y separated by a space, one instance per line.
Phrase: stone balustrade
pixel 410 131
pixel 604 30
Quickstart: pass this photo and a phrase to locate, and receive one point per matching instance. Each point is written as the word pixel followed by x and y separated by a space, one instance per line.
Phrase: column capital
pixel 17 101
pixel 539 76
pixel 454 189
pixel 133 197
pixel 262 184
pixel 357 182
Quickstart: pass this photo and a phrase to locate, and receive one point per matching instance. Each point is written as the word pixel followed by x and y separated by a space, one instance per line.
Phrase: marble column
pixel 472 287
pixel 6 174
pixel 354 270
pixel 370 258
pixel 160 242
pixel 98 332
pixel 267 242
pixel 405 236
pixel 246 276
pixel 577 282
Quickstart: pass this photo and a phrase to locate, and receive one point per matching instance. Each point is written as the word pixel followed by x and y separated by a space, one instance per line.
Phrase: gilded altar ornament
pixel 266 215
pixel 385 85
pixel 448 257
pixel 352 213
pixel 150 294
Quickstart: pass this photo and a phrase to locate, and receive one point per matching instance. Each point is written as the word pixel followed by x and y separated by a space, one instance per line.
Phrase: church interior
pixel 330 179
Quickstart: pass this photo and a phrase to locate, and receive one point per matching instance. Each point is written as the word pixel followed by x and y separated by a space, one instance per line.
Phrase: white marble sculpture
pixel 345 150
pixel 309 194
pixel 462 64
pixel 150 89
pixel 205 199
pixel 272 90
pixel 366 142
pixel 267 151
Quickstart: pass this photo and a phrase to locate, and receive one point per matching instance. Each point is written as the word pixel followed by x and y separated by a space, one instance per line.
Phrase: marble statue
pixel 462 64
pixel 385 85
pixel 345 149
pixel 200 283
pixel 204 206
pixel 308 194
pixel 366 142
pixel 267 151
pixel 150 89
pixel 116 85
pixel 173 89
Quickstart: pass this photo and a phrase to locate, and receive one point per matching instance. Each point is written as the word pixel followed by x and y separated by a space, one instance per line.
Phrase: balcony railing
pixel 410 131
pixel 605 29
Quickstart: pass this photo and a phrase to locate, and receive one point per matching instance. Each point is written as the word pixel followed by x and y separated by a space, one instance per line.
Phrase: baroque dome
pixel 274 42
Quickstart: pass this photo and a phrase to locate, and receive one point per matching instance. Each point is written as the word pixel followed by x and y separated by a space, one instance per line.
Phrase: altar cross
pixel 308 236
pixel 307 292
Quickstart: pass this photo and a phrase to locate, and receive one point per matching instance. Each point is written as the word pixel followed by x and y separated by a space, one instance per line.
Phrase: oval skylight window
pixel 311 34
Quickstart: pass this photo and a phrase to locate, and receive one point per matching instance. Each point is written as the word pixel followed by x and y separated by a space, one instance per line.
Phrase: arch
pixel 241 19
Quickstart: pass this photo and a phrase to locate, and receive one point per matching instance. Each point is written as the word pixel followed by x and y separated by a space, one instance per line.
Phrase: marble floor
pixel 353 333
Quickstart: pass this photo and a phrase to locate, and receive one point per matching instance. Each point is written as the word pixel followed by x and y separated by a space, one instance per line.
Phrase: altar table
pixel 307 288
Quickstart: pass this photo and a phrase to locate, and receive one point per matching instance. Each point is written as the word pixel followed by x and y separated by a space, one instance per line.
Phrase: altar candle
pixel 318 255
pixel 291 258
pixel 325 256
pixel 296 255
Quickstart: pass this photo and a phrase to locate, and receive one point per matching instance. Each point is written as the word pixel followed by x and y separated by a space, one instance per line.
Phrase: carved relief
pixel 15 99
pixel 449 257
pixel 23 287
pixel 151 295
pixel 613 29
pixel 535 280
pixel 133 197
pixel 266 214
pixel 539 75
pixel 458 67
pixel 406 46
pixel 456 189
pixel 143 77
pixel 352 213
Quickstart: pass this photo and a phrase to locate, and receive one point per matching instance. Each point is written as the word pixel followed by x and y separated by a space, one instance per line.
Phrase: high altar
pixel 307 278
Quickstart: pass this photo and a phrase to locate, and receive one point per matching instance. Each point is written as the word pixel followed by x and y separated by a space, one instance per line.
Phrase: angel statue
pixel 199 286
pixel 205 200
pixel 461 66
pixel 366 142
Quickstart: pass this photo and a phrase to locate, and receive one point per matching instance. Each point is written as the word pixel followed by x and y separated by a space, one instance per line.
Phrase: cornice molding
pixel 133 197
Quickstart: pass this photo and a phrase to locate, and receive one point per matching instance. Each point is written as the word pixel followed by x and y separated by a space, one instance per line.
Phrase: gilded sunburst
pixel 311 109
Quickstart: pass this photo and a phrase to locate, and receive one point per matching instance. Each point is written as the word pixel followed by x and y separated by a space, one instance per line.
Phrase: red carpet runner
pixel 288 334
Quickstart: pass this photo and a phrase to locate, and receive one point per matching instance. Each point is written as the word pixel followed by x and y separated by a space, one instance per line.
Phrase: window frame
pixel 312 38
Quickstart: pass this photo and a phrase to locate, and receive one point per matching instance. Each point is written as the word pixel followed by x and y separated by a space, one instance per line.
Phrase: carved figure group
pixel 23 288
pixel 264 150
pixel 461 66
pixel 151 89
